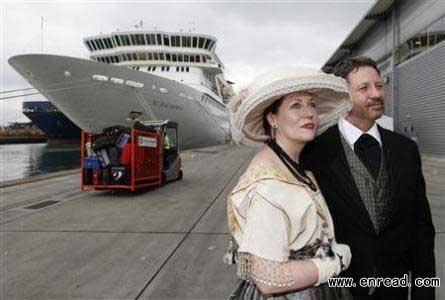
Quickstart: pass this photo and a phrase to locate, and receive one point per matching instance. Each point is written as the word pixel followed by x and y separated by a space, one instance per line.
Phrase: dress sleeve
pixel 266 232
pixel 271 223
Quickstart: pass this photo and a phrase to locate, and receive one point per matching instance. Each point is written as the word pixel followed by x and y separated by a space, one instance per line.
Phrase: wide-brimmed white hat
pixel 248 106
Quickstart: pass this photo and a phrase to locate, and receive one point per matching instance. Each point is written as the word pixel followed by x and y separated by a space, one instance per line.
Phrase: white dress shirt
pixel 352 133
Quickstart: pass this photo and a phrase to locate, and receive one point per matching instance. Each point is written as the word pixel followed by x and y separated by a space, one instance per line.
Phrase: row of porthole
pixel 136 84
pixel 164 69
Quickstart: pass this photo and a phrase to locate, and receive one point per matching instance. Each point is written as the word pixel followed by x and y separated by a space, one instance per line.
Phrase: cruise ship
pixel 138 75
pixel 57 127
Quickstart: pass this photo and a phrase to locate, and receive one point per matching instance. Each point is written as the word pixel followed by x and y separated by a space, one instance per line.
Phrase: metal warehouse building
pixel 407 39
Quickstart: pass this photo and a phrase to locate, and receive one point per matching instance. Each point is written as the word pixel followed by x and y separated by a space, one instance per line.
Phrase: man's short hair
pixel 346 66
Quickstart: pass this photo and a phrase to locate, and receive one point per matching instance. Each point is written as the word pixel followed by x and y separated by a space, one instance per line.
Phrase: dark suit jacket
pixel 407 241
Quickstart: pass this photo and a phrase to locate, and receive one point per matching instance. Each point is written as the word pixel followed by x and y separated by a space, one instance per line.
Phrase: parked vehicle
pixel 124 158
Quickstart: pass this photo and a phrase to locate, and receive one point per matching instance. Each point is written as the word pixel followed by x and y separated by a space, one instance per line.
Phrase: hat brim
pixel 329 92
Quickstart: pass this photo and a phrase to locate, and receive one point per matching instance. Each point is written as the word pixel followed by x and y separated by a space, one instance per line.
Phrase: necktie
pixel 368 150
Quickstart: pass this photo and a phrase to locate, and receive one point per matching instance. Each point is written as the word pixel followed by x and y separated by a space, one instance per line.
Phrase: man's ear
pixel 270 118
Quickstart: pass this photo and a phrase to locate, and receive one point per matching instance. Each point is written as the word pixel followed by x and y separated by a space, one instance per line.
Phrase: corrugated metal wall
pixel 421 100
pixel 388 93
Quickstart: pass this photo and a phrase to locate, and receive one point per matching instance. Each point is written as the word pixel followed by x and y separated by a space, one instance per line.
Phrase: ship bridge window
pixel 166 40
pixel 161 56
pixel 156 56
pixel 150 39
pixel 180 58
pixel 201 42
pixel 135 57
pixel 198 58
pixel 124 57
pixel 111 58
pixel 188 41
pixel 187 69
pixel 149 56
pixel 153 39
pixel 211 45
pixel 99 44
pixel 93 44
pixel 207 44
pixel 139 39
pixel 204 59
pixel 176 41
pixel 108 43
pixel 133 39
pixel 102 44
pixel 168 57
pixel 159 39
pixel 192 58
pixel 117 41
pixel 125 40
pixel 89 45
pixel 174 57
pixel 107 59
pixel 186 58
pixel 195 41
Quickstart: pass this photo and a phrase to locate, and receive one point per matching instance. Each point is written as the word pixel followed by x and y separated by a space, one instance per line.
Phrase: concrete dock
pixel 58 242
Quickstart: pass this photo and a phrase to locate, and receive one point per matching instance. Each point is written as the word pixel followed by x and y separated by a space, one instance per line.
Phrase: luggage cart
pixel 143 157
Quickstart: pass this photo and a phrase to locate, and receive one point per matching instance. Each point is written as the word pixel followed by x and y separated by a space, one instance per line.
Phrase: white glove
pixel 329 267
pixel 344 252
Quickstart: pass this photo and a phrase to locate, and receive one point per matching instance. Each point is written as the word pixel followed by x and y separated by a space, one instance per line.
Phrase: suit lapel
pixel 340 170
pixel 392 163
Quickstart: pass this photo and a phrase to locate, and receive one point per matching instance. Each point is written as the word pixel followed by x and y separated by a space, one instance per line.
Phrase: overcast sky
pixel 253 36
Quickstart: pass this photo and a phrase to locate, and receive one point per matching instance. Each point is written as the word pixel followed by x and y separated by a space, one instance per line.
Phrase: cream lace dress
pixel 274 216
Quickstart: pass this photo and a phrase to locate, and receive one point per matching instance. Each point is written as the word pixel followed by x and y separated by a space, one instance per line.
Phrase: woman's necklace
pixel 291 164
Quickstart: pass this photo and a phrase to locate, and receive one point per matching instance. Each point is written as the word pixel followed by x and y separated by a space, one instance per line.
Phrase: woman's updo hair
pixel 273 108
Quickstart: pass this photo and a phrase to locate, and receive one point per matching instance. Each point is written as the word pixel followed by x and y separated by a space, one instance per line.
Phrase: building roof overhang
pixel 375 14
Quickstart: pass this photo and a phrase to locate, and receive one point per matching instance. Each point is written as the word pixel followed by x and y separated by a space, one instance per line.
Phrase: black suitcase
pixel 106 178
pixel 100 142
pixel 87 176
pixel 113 155
pixel 115 131
pixel 120 175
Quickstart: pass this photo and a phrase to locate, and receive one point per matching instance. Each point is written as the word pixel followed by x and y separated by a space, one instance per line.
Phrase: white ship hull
pixel 93 105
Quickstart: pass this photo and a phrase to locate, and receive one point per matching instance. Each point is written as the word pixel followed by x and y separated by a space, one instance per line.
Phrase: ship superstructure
pixel 147 75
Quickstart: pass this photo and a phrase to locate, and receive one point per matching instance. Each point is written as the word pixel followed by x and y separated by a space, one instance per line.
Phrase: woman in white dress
pixel 279 221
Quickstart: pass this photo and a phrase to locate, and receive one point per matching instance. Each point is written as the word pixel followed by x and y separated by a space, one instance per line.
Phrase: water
pixel 24 160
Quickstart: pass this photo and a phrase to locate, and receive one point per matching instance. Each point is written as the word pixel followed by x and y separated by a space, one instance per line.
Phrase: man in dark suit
pixel 373 184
